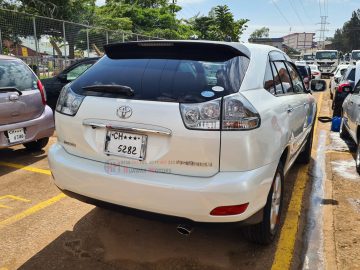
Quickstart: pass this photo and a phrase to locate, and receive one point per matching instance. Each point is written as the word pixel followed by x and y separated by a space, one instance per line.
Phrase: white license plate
pixel 125 144
pixel 16 135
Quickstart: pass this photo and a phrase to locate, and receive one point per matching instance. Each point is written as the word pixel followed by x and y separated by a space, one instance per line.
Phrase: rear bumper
pixel 35 129
pixel 190 198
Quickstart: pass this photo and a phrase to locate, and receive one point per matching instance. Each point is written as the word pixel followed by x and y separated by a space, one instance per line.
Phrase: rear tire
pixel 265 232
pixel 357 160
pixel 36 145
pixel 344 133
pixel 305 156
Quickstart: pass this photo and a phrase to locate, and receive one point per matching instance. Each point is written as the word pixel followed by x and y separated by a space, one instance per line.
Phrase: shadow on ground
pixel 105 239
pixel 19 156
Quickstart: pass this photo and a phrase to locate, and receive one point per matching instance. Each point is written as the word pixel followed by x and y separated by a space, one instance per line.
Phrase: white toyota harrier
pixel 200 131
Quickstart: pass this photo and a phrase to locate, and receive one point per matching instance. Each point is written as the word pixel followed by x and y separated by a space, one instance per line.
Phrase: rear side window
pixel 297 82
pixel 269 80
pixel 14 73
pixel 283 77
pixel 351 75
pixel 171 80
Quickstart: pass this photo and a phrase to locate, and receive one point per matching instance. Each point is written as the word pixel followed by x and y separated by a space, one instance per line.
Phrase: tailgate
pixel 169 147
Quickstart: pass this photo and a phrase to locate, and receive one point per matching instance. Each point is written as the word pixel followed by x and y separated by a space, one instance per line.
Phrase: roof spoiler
pixel 182 50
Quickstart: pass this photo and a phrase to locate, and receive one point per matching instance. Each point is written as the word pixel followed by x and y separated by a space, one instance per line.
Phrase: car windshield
pixel 355 55
pixel 326 55
pixel 308 57
pixel 14 73
pixel 169 80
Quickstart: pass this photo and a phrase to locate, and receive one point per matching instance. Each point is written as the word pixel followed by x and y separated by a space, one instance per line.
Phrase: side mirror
pixel 62 77
pixel 318 85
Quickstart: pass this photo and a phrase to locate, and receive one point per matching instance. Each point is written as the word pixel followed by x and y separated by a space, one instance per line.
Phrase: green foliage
pixel 347 38
pixel 260 33
pixel 219 25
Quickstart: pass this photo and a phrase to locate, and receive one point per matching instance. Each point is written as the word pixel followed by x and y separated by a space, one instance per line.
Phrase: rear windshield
pixel 14 73
pixel 169 80
pixel 303 71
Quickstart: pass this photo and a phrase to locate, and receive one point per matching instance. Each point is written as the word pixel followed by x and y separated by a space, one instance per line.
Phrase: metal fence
pixel 50 45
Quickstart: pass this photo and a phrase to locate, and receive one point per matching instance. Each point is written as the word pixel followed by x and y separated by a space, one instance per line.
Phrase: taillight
pixel 316 73
pixel 344 87
pixel 68 102
pixel 237 114
pixel 202 115
pixel 42 91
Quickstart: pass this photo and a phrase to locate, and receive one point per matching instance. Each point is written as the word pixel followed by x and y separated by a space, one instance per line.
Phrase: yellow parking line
pixel 16 198
pixel 31 211
pixel 24 167
pixel 285 248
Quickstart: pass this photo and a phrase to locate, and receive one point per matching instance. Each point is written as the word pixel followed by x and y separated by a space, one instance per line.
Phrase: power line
pixel 305 11
pixel 296 12
pixel 279 10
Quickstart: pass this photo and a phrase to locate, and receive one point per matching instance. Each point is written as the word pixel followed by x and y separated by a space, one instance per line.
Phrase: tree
pixel 260 33
pixel 347 38
pixel 219 25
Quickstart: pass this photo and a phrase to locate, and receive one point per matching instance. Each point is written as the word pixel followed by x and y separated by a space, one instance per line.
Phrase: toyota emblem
pixel 124 112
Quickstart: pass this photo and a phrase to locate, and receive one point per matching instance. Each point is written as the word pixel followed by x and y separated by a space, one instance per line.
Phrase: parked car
pixel 315 72
pixel 54 85
pixel 24 116
pixel 350 125
pixel 309 58
pixel 305 73
pixel 339 72
pixel 344 87
pixel 149 128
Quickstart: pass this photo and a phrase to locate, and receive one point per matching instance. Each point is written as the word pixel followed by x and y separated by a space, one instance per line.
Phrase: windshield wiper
pixel 10 89
pixel 110 88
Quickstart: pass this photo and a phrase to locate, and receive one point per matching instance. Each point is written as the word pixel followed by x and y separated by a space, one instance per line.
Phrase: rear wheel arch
pixel 284 156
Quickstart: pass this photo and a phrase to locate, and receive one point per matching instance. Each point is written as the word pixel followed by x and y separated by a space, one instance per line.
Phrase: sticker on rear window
pixel 218 88
pixel 207 94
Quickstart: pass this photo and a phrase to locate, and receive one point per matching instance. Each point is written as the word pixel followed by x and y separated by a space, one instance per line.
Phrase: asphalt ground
pixel 41 228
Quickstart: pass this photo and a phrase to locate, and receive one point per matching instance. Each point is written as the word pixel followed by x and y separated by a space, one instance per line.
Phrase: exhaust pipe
pixel 184 229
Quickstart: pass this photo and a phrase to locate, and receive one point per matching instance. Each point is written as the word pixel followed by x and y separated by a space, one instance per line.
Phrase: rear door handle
pixel 290 109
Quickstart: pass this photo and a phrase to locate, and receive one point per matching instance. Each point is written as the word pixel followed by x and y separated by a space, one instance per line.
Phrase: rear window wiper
pixel 10 89
pixel 110 88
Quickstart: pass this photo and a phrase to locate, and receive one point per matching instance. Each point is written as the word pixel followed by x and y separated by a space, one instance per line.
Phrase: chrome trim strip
pixel 127 129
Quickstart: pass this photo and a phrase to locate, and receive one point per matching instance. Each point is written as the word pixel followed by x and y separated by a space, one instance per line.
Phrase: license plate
pixel 123 144
pixel 16 135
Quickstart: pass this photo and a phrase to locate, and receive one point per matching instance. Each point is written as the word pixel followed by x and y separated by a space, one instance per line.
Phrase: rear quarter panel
pixel 248 150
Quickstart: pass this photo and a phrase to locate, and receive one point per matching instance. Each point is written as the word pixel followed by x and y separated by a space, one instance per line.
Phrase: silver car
pixel 24 116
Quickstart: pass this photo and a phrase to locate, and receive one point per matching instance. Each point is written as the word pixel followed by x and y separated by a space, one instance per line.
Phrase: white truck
pixel 327 61
pixel 355 56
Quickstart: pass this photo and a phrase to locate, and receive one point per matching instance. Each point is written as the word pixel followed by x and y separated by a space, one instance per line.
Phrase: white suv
pixel 203 131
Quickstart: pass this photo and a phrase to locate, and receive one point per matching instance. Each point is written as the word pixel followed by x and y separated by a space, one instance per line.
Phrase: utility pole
pixel 322 30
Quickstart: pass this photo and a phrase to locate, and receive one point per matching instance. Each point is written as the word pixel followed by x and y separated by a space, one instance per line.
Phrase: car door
pixel 293 105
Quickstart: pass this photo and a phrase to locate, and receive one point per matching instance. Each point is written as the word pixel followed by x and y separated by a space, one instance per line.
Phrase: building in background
pixel 300 41
pixel 275 42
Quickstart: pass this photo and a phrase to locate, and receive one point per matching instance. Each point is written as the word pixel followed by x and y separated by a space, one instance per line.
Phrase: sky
pixel 280 16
